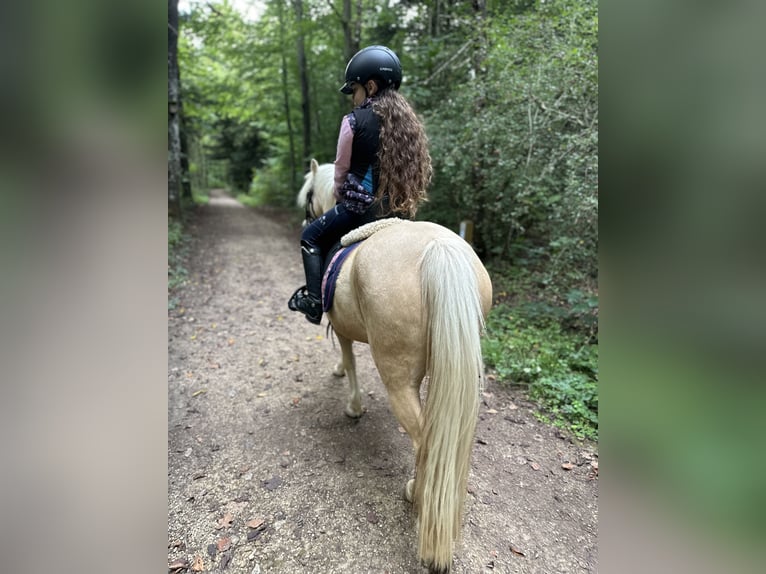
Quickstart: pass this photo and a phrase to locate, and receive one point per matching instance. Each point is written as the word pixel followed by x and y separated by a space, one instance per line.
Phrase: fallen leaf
pixel 253 535
pixel 261 395
pixel 199 392
pixel 198 565
pixel 534 466
pixel 516 551
pixel 225 521
pixel 296 400
pixel 255 523
pixel 401 430
pixel 491 412
pixel 567 466
pixel 225 559
pixel 512 407
pixel 231 341
pixel 223 544
pixel 177 544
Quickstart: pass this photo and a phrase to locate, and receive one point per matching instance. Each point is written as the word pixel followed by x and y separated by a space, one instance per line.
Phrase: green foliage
pixel 241 145
pixel 528 343
pixel 516 152
pixel 247 200
pixel 270 185
pixel 177 273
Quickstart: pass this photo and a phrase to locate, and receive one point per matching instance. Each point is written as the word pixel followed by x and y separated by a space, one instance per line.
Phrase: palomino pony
pixel 418 295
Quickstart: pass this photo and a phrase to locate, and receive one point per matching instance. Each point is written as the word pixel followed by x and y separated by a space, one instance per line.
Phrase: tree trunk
pixel 357 39
pixel 303 73
pixel 175 177
pixel 348 39
pixel 286 95
pixel 436 19
pixel 352 28
pixel 186 184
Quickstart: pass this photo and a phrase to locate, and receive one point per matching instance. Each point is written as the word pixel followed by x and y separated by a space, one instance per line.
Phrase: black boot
pixel 308 299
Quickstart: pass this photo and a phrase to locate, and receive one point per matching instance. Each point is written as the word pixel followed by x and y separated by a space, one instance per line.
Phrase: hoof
pixel 339 371
pixel 353 414
pixel 408 489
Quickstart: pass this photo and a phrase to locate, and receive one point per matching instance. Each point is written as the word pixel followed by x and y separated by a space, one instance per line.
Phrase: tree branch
pixel 445 64
pixel 335 10
pixel 209 5
pixel 559 113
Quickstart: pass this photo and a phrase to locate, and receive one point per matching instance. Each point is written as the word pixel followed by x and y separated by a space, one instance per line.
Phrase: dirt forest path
pixel 267 475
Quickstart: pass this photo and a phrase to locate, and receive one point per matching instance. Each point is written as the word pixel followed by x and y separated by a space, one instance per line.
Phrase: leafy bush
pixel 271 185
pixel 527 345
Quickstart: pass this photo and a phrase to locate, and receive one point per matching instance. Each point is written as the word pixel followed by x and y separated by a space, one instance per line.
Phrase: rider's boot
pixel 308 299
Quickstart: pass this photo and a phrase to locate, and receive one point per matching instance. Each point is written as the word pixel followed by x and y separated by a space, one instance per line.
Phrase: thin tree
pixel 352 29
pixel 175 176
pixel 304 79
pixel 286 95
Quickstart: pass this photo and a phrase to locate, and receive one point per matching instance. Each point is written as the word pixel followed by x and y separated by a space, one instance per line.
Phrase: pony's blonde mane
pixel 322 179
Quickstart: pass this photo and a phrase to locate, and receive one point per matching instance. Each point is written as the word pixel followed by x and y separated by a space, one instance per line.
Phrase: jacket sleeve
pixel 343 156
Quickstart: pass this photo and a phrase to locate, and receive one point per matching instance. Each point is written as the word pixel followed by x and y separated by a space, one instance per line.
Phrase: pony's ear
pixel 314 166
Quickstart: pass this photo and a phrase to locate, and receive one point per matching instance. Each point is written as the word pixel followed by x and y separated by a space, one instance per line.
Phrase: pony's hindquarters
pixel 454 300
pixel 417 293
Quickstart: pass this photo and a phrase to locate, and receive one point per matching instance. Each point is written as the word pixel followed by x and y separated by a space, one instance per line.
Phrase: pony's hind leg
pixel 403 385
pixel 348 364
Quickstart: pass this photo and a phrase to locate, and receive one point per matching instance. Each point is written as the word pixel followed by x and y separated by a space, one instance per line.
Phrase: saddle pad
pixel 364 231
pixel 331 275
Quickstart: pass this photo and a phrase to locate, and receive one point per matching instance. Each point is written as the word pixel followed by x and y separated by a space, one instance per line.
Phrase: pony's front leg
pixel 348 364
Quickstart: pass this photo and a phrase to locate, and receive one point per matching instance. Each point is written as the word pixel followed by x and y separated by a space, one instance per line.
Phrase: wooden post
pixel 466 230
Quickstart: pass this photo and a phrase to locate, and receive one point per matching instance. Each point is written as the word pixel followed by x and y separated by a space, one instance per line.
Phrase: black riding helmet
pixel 376 62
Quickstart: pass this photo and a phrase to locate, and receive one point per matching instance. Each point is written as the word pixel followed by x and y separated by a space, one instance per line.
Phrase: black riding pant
pixel 326 230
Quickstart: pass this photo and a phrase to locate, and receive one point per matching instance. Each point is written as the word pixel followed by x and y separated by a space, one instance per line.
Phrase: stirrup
pixel 306 304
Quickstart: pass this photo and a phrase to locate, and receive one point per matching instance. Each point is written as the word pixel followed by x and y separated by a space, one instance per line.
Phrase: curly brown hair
pixel 403 158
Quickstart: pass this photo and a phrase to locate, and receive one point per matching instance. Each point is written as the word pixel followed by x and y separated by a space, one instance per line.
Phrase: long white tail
pixel 454 317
